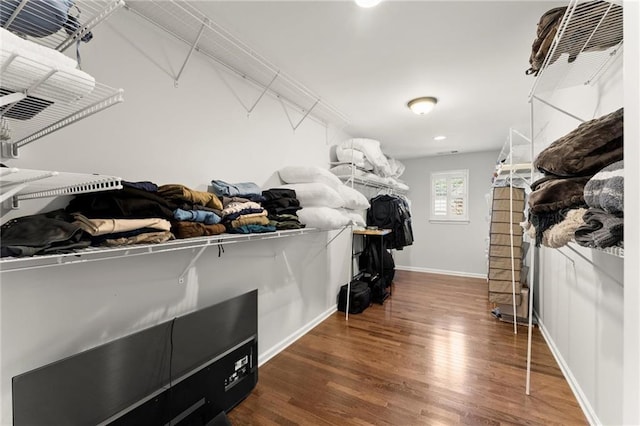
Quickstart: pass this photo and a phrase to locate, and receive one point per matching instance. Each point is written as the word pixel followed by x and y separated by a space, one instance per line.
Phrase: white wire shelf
pixel 514 161
pixel 26 184
pixel 188 24
pixel 613 251
pixel 589 39
pixel 18 132
pixel 93 254
pixel 89 14
pixel 371 184
pixel 505 169
pixel 42 89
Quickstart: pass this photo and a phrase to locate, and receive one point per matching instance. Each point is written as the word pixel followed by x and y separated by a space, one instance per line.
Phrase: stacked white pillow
pixel 325 200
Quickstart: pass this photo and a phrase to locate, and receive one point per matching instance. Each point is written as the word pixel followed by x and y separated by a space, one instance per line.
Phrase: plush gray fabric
pixel 601 229
pixel 605 190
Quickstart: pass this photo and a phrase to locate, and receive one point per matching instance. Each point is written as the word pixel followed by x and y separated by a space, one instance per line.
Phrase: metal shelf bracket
pixel 205 22
pixel 190 265
pixel 295 126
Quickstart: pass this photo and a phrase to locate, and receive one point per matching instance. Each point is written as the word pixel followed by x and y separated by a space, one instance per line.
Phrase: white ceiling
pixel 368 63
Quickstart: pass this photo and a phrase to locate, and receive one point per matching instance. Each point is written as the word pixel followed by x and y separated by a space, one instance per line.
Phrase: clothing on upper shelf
pixel 125 203
pixel 249 219
pixel 242 189
pixel 194 229
pixel 280 201
pixel 144 185
pixel 203 216
pixel 143 238
pixel 97 227
pixel 44 233
pixel 132 235
pixel 285 221
pixel 179 193
pixel 252 229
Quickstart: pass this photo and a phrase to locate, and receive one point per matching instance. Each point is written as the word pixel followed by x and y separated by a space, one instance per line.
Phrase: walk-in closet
pixel 352 212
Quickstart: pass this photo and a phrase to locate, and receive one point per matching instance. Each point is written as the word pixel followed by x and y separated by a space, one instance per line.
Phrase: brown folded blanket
pixel 546 31
pixel 551 194
pixel 550 200
pixel 600 28
pixel 185 229
pixel 585 150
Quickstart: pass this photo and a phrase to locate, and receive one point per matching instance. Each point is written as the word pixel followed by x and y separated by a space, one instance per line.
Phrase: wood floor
pixel 432 354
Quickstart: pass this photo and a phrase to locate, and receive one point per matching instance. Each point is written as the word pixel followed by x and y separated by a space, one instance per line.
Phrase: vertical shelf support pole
pixel 513 269
pixel 531 274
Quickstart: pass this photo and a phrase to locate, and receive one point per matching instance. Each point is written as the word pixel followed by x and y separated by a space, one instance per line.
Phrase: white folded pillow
pixel 308 174
pixel 355 218
pixel 373 152
pixel 353 199
pixel 323 217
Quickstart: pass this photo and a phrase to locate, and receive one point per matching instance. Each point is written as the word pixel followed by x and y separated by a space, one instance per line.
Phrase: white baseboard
pixel 587 409
pixel 441 272
pixel 283 344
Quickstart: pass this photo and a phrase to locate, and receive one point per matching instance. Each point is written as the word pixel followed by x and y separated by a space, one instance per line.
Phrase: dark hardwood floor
pixel 432 354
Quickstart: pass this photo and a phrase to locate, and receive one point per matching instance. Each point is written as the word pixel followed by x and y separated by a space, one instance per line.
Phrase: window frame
pixel 449 175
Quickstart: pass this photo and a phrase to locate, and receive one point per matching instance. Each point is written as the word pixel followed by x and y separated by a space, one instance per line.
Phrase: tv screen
pixel 211 349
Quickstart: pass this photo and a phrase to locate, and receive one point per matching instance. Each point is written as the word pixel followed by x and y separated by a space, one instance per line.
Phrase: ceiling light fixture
pixel 422 106
pixel 439 138
pixel 367 3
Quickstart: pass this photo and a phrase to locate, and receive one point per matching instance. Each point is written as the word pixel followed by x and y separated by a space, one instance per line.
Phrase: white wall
pixel 631 387
pixel 436 243
pixel 580 292
pixel 189 135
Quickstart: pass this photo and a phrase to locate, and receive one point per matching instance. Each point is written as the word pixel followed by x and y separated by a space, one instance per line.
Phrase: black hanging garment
pixel 391 212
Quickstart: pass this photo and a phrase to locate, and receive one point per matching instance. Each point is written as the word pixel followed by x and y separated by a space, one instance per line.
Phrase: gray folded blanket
pixel 601 229
pixel 605 190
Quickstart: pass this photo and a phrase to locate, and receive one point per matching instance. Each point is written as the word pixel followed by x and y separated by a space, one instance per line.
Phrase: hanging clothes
pixel 392 212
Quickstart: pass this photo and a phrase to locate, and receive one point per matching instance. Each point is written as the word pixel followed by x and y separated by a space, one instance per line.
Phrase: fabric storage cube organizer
pixel 506 214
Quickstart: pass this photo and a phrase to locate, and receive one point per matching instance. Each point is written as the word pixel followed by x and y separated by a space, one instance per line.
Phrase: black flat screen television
pixel 184 372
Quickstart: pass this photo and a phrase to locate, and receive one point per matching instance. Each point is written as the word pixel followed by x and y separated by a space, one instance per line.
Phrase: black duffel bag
pixel 359 298
pixel 378 286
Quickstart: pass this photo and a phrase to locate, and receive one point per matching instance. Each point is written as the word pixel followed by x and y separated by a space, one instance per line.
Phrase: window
pixel 449 198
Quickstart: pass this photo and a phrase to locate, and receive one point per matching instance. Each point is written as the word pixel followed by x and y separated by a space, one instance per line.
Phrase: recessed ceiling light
pixel 439 138
pixel 422 106
pixel 367 3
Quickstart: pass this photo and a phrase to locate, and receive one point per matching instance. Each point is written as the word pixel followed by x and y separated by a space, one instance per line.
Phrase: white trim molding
pixel 287 341
pixel 441 272
pixel 587 409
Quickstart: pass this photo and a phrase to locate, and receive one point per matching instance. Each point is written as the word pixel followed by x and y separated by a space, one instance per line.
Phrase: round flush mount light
pixel 367 3
pixel 422 106
pixel 439 138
